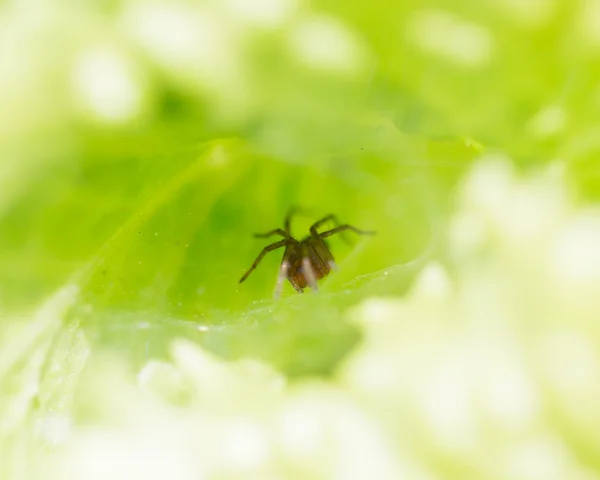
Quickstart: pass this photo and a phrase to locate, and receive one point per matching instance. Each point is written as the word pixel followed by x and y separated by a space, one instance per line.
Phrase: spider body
pixel 304 261
pixel 305 255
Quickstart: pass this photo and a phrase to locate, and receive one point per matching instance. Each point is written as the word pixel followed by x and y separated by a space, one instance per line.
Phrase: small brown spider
pixel 304 261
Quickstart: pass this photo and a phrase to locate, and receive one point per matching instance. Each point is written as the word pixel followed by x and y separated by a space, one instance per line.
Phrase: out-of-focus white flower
pixel 261 13
pixel 327 45
pixel 530 14
pixel 589 22
pixel 469 374
pixel 189 42
pixel 448 36
pixel 108 85
pixel 549 121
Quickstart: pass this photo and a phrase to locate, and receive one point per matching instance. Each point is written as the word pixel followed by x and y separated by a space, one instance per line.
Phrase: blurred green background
pixel 143 143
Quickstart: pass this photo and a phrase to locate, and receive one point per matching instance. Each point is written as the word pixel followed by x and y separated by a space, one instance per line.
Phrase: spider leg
pixel 267 249
pixel 322 255
pixel 316 225
pixel 319 253
pixel 307 268
pixel 283 274
pixel 293 211
pixel 309 273
pixel 277 231
pixel 343 228
pixel 288 218
pixel 313 228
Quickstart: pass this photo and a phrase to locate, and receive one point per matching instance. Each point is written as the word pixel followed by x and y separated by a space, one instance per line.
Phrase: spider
pixel 304 261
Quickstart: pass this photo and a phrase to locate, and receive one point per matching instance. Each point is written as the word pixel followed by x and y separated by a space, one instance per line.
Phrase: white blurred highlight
pixel 571 362
pixel 373 373
pixel 433 283
pixel 444 396
pixel 301 432
pixel 530 14
pixel 261 13
pixel 191 42
pixel 174 34
pixel 149 454
pixel 577 252
pixel 589 21
pixel 106 84
pixel 199 47
pixel 549 121
pixel 54 429
pixel 495 204
pixel 245 444
pixel 323 43
pixel 375 311
pixel 540 459
pixel 507 392
pixel 448 36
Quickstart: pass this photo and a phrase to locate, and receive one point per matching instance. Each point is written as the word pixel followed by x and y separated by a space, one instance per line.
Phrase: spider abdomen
pixel 300 278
